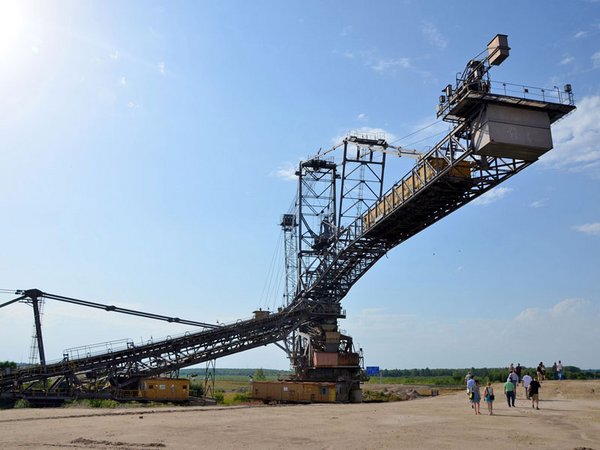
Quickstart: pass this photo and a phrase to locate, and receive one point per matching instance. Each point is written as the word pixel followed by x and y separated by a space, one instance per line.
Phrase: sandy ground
pixel 569 418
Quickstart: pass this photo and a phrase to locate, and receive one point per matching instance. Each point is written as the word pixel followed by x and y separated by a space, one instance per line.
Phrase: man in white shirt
pixel 526 381
pixel 559 370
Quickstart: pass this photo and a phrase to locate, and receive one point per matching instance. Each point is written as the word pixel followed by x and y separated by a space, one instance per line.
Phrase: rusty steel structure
pixel 343 223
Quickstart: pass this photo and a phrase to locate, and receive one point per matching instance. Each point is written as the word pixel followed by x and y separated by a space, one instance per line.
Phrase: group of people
pixel 532 386
pixel 532 389
pixel 474 393
pixel 557 371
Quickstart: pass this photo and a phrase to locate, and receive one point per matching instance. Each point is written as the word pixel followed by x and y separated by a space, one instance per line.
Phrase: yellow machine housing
pixel 293 391
pixel 165 389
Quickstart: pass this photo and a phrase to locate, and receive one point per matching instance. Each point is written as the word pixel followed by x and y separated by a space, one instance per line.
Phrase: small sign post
pixel 372 371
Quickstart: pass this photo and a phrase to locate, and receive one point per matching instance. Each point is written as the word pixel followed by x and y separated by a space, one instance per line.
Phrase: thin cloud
pixel 592 229
pixel 114 55
pixel 378 63
pixel 596 60
pixel 388 336
pixel 433 35
pixel 567 60
pixel 492 196
pixel 287 173
pixel 387 65
pixel 561 310
pixel 581 34
pixel 346 31
pixel 161 67
pixel 539 203
pixel 361 116
pixel 576 140
pixel 123 81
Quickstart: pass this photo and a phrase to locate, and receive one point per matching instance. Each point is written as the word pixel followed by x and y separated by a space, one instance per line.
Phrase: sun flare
pixel 12 24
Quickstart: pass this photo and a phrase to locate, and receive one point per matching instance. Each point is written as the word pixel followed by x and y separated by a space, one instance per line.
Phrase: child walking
pixel 488 396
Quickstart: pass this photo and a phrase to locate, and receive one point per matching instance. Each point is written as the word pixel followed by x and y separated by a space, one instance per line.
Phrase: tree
pixel 259 375
pixel 8 365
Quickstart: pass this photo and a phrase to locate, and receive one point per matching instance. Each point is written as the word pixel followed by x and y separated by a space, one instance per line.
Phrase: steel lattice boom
pixel 344 223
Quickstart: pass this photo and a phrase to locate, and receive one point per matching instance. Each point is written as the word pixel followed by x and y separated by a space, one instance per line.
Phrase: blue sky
pixel 146 149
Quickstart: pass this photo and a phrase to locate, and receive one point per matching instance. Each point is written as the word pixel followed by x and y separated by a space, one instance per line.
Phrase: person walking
pixel 559 370
pixel 468 376
pixel 534 393
pixel 526 382
pixel 518 370
pixel 509 391
pixel 540 371
pixel 488 397
pixel 476 398
pixel 512 376
pixel 470 388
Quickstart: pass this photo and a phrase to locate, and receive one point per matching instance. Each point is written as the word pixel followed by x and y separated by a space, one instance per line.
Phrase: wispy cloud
pixel 567 59
pixel 596 60
pixel 492 196
pixel 346 31
pixel 114 55
pixel 387 334
pixel 161 67
pixel 378 63
pixel 361 116
pixel 576 139
pixel 592 229
pixel 539 203
pixel 580 34
pixel 123 81
pixel 561 310
pixel 287 174
pixel 386 65
pixel 433 35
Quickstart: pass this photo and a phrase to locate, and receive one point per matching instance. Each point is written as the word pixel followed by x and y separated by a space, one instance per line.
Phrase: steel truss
pixel 334 252
pixel 111 373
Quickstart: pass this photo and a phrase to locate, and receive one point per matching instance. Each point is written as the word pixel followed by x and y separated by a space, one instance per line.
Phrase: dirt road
pixel 569 418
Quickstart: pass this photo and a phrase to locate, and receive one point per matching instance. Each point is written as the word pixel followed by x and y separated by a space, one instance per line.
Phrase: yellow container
pixel 165 389
pixel 461 169
pixel 417 180
pixel 293 391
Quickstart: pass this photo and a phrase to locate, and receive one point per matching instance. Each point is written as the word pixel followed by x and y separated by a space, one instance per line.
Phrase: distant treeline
pixel 457 376
pixel 8 365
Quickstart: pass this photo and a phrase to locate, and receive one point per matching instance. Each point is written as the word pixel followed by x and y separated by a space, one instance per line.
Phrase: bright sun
pixel 12 24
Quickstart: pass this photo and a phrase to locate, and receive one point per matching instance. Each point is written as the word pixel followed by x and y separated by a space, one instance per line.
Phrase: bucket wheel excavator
pixel 343 222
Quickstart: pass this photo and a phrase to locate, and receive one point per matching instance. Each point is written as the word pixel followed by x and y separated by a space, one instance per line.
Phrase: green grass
pixel 22 403
pixel 92 403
